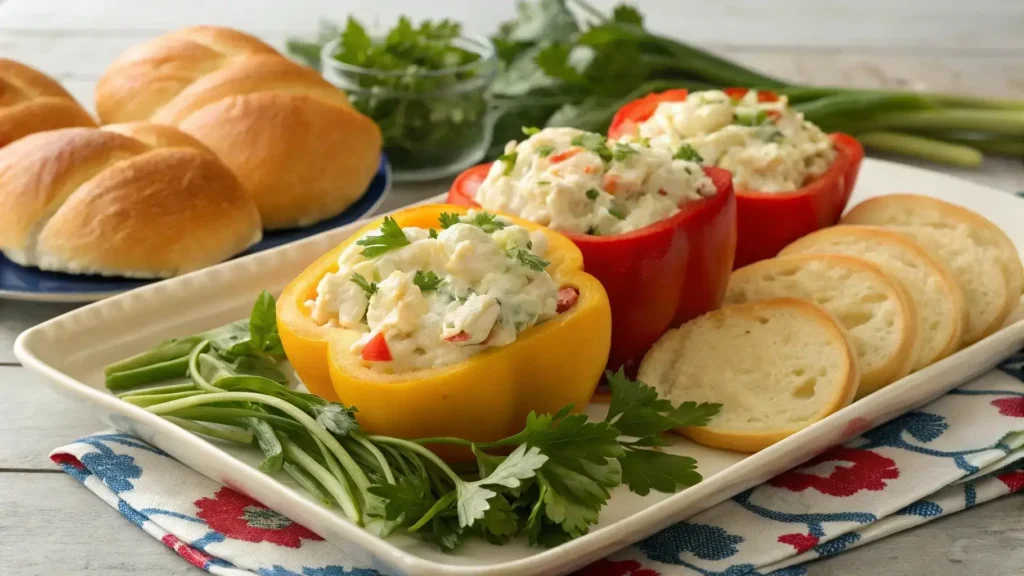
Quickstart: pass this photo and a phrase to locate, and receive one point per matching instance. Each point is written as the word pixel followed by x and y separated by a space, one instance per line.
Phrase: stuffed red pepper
pixel 790 177
pixel 656 228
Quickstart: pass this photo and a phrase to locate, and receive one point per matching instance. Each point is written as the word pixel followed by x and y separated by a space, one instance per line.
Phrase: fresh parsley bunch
pixel 547 483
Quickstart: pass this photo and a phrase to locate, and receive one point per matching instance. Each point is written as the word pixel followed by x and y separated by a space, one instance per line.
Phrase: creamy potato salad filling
pixel 766 145
pixel 576 181
pixel 425 298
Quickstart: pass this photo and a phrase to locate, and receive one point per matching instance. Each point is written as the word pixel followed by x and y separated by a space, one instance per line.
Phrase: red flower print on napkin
pixel 1013 480
pixel 194 557
pixel 605 567
pixel 242 518
pixel 801 542
pixel 870 470
pixel 1010 406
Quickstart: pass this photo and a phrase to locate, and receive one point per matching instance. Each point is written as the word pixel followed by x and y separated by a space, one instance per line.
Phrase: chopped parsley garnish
pixel 645 142
pixel 509 160
pixel 484 220
pixel 543 183
pixel 527 258
pixel 369 287
pixel 592 194
pixel 616 213
pixel 530 130
pixel 432 233
pixel 688 153
pixel 751 119
pixel 595 143
pixel 545 151
pixel 623 152
pixel 427 281
pixel 390 238
pixel 449 219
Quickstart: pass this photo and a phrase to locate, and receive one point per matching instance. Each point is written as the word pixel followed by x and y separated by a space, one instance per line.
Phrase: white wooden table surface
pixel 50 525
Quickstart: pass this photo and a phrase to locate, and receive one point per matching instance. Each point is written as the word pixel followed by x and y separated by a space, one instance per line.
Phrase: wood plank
pixel 15 317
pixel 52 525
pixel 34 420
pixel 986 541
pixel 917 25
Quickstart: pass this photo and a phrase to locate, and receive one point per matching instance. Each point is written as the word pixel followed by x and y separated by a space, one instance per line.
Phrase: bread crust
pixel 818 243
pixel 657 367
pixel 290 136
pixel 31 102
pixel 919 210
pixel 901 361
pixel 135 200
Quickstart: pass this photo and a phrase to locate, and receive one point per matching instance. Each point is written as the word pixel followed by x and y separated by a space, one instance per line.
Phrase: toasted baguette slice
pixel 875 309
pixel 776 366
pixel 939 302
pixel 967 243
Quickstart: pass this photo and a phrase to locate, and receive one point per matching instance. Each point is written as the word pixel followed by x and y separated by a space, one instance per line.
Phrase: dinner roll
pixel 291 137
pixel 875 309
pixel 137 200
pixel 776 366
pixel 980 255
pixel 31 102
pixel 941 311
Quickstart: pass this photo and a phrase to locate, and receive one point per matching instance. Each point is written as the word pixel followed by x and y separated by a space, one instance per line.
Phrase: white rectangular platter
pixel 72 349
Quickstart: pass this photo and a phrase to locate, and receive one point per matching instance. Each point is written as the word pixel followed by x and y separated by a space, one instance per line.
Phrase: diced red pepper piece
pixel 773 114
pixel 767 96
pixel 610 184
pixel 736 93
pixel 567 297
pixel 460 337
pixel 376 350
pixel 563 156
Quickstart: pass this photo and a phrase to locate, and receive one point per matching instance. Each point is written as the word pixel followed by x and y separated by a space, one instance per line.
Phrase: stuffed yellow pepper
pixel 440 321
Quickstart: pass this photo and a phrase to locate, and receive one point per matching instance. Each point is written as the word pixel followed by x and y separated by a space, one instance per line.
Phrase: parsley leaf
pixel 616 213
pixel 636 410
pixel 409 496
pixel 688 153
pixel 473 497
pixel 338 419
pixel 509 159
pixel 748 118
pixel 627 14
pixel 500 522
pixel 487 222
pixel 594 142
pixel 369 287
pixel 623 152
pixel 527 258
pixel 432 233
pixel 390 238
pixel 545 151
pixel 644 470
pixel 592 194
pixel 530 130
pixel 427 281
pixel 449 219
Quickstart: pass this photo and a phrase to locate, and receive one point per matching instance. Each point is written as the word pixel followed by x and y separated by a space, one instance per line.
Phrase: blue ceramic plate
pixel 25 283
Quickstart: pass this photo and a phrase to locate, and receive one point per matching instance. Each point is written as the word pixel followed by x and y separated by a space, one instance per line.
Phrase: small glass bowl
pixel 435 130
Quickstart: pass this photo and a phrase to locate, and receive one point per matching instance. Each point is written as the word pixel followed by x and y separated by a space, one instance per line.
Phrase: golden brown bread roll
pixel 31 102
pixel 291 137
pixel 138 200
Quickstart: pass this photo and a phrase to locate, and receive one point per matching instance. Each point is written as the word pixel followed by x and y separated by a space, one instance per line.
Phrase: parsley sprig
pixel 390 238
pixel 486 221
pixel 688 153
pixel 558 474
pixel 594 142
pixel 527 258
pixel 426 281
pixel 369 287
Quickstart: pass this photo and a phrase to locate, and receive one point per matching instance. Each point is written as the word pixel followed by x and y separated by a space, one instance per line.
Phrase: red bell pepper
pixel 769 221
pixel 659 276
pixel 376 350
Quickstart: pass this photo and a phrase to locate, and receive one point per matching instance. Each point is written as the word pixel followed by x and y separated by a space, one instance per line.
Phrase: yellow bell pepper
pixel 485 398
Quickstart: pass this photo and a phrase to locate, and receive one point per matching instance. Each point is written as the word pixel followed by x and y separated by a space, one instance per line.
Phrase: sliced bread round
pixel 875 309
pixel 776 366
pixel 939 302
pixel 975 250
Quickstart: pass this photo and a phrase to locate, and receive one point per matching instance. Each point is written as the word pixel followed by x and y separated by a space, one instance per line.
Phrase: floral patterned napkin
pixel 959 451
